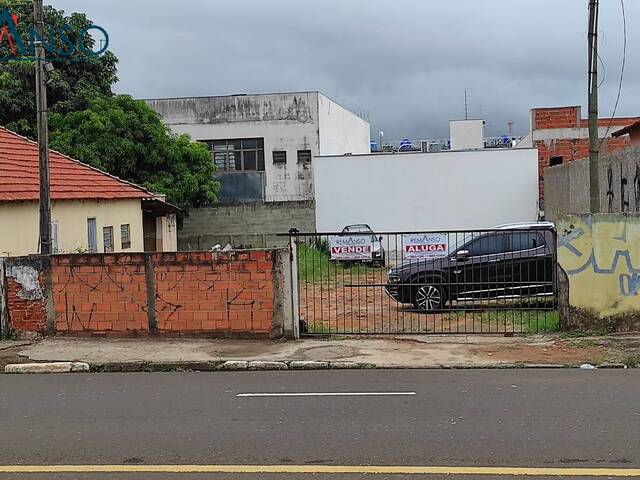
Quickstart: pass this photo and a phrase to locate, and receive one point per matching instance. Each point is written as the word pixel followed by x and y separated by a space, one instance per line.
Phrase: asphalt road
pixel 565 419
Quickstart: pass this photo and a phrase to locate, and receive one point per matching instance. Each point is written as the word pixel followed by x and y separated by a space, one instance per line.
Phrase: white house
pixel 263 144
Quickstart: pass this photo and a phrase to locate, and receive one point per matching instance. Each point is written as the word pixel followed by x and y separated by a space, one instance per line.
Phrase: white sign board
pixel 350 247
pixel 425 245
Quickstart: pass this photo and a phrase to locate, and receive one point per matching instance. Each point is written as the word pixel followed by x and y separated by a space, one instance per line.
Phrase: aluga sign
pixel 350 247
pixel 431 245
pixel 57 42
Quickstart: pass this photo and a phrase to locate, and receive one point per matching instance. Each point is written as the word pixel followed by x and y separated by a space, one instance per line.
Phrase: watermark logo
pixel 58 43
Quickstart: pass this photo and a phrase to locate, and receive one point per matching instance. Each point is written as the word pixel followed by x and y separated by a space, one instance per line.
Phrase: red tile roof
pixel 70 179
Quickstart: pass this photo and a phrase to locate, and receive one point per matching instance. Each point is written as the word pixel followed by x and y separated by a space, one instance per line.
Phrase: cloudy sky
pixel 405 63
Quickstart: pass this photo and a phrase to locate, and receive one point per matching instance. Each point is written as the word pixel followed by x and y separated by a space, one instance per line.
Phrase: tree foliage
pixel 114 133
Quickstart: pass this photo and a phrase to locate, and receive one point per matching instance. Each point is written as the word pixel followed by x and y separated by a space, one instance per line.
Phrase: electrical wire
pixel 604 70
pixel 624 62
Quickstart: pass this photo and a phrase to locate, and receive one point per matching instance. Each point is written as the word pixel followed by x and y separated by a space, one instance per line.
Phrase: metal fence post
pixel 293 266
pixel 4 314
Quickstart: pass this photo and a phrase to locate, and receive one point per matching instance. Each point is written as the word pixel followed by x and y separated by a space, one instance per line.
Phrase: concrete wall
pixel 567 186
pixel 287 122
pixel 21 219
pixel 601 256
pixel 466 134
pixel 427 191
pixel 341 131
pixel 222 293
pixel 251 225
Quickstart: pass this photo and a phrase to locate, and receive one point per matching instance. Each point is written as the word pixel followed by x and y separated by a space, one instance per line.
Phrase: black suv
pixel 514 260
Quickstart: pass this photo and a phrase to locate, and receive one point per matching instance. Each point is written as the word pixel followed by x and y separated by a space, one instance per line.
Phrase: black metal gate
pixel 502 280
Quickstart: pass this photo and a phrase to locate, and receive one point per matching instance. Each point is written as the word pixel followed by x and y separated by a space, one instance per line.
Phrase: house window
pixel 125 236
pixel 107 239
pixel 279 157
pixel 553 161
pixel 304 156
pixel 92 235
pixel 54 237
pixel 238 155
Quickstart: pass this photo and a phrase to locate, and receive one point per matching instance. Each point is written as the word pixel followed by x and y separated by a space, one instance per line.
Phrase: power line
pixel 624 63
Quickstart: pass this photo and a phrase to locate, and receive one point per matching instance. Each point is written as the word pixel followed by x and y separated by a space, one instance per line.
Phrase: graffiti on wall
pixel 627 197
pixel 601 256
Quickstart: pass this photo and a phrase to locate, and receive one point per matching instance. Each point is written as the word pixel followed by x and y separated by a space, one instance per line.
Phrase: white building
pixel 463 189
pixel 263 145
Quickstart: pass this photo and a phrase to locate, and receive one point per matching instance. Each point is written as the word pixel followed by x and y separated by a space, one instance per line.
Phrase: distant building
pixel 562 135
pixel 91 211
pixel 263 145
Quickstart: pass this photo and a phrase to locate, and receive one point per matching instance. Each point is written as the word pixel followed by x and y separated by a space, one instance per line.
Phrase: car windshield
pixel 360 229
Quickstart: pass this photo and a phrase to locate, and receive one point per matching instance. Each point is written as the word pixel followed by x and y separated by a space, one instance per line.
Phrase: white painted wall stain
pixel 27 276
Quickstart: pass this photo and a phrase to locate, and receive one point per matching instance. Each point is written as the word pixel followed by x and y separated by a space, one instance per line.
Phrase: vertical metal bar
pixel 329 263
pixel 306 280
pixel 321 282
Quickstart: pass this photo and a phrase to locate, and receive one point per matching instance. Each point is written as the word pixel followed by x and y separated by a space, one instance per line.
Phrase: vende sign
pixel 350 247
pixel 425 245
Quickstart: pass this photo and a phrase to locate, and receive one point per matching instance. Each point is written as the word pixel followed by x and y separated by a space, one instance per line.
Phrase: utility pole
pixel 594 177
pixel 43 133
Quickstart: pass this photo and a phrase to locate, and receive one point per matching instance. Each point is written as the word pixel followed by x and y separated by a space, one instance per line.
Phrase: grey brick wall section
pixel 250 225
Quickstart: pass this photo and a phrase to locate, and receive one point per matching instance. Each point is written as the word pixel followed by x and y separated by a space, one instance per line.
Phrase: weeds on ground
pixel 632 360
pixel 315 264
pixel 584 333
pixel 511 320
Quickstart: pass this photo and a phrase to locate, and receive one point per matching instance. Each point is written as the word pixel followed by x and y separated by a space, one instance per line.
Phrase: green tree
pixel 114 133
pixel 126 138
pixel 71 85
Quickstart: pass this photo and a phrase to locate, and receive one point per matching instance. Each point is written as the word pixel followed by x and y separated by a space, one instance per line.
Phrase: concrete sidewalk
pixel 387 352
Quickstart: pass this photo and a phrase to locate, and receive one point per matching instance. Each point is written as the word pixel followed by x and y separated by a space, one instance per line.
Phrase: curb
pixel 225 366
pixel 259 365
pixel 50 367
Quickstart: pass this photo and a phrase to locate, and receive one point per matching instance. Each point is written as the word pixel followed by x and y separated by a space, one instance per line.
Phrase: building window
pixel 54 237
pixel 553 161
pixel 279 157
pixel 92 235
pixel 238 155
pixel 125 236
pixel 304 156
pixel 107 239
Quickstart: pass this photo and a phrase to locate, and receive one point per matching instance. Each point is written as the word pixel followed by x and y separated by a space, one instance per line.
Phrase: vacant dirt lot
pixel 356 302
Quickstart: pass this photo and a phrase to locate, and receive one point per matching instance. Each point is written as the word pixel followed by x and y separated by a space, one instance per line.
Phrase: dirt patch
pixel 561 352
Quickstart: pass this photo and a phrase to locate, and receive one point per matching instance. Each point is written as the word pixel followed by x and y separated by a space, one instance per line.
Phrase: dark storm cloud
pixel 405 62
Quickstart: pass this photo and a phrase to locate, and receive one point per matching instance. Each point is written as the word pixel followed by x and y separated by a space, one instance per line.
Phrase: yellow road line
pixel 326 469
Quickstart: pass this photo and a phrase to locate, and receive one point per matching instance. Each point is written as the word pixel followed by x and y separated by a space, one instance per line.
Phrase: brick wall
pixel 100 293
pixel 570 139
pixel 562 117
pixel 187 293
pixel 26 313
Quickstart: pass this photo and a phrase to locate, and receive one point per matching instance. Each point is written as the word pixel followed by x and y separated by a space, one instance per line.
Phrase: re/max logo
pixel 57 43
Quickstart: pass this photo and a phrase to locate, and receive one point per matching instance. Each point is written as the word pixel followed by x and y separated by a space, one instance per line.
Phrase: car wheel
pixel 429 298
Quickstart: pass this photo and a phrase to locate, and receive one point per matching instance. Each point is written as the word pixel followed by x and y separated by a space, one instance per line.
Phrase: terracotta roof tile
pixel 70 179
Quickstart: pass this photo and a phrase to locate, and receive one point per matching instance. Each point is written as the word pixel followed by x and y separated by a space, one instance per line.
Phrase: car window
pixel 487 245
pixel 525 241
pixel 360 229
